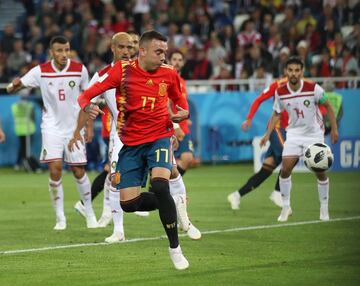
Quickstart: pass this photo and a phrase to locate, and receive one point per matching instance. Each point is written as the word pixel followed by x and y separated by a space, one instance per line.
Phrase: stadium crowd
pixel 223 39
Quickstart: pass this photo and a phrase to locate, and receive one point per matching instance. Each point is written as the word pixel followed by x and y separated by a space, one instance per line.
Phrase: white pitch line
pixel 181 235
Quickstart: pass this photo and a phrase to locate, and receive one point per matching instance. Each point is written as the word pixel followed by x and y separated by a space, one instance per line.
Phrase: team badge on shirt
pixel 72 84
pixel 306 102
pixel 162 88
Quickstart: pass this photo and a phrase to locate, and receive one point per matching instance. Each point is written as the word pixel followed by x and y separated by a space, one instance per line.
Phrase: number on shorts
pixel 158 152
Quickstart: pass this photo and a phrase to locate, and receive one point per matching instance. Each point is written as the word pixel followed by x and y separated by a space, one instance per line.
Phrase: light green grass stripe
pixel 162 237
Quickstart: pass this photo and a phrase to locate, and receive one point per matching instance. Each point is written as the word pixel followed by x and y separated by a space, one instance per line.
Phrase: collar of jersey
pixel 56 69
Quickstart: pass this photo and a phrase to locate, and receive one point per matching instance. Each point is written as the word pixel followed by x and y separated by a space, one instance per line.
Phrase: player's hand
pixel 15 84
pixel 181 115
pixel 334 135
pixel 179 134
pixel 2 136
pixel 93 110
pixel 175 143
pixel 74 141
pixel 246 125
pixel 263 140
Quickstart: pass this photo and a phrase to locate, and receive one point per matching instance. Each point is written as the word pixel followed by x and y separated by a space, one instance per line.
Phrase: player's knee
pixel 160 186
pixel 130 206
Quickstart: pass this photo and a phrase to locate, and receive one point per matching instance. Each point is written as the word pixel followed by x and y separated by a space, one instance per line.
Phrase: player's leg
pixel 52 154
pixel 291 153
pixel 117 216
pixel 178 192
pixel 76 160
pixel 83 186
pixel 106 215
pixel 160 162
pixel 57 193
pixel 323 189
pixel 184 154
pixel 277 140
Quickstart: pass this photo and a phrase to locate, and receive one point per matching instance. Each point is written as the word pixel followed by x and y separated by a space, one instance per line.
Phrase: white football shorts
pixel 55 148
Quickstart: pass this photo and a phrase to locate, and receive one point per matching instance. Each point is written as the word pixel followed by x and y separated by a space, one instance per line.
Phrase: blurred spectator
pixel 304 54
pixel 185 41
pixel 326 64
pixel 347 63
pixel 8 39
pixel 177 12
pixel 279 63
pixel 216 53
pixel 249 35
pixel 288 22
pixel 121 23
pixel 239 62
pixel 18 58
pixel 199 67
pixel 228 40
pixel 305 19
pixel 141 7
pixel 224 73
pixel 312 38
pixel 260 79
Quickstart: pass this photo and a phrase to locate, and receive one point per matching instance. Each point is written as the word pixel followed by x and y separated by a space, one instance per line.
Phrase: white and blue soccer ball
pixel 318 157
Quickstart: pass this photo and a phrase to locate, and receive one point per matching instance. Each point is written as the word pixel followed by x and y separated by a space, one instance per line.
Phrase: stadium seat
pixel 239 20
pixel 346 30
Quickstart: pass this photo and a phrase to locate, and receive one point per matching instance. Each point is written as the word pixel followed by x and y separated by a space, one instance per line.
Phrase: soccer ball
pixel 318 157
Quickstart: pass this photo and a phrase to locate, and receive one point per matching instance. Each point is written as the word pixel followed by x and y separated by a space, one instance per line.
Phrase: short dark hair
pixel 151 35
pixel 132 32
pixel 58 39
pixel 176 52
pixel 294 60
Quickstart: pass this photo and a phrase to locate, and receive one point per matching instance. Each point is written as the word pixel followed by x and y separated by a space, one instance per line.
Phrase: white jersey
pixel 109 97
pixel 59 91
pixel 305 118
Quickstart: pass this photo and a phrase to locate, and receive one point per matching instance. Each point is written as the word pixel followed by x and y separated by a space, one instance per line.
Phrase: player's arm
pixel 273 121
pixel 30 79
pixel 265 95
pixel 334 134
pixel 179 101
pixel 83 117
pixel 109 80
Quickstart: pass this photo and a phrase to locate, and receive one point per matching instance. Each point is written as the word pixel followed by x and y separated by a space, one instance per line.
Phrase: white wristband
pixel 176 125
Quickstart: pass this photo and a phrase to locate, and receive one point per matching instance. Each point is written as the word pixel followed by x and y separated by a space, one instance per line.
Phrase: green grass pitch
pixel 246 247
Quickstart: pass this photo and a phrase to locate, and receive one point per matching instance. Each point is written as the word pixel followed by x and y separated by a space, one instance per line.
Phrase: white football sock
pixel 116 210
pixel 84 188
pixel 177 186
pixel 57 198
pixel 106 201
pixel 285 189
pixel 323 189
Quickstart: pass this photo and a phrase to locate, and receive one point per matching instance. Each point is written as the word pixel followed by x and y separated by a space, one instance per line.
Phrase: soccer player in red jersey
pixel 273 155
pixel 143 88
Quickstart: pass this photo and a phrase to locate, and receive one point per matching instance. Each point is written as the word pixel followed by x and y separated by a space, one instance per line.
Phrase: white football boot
pixel 178 259
pixel 285 213
pixel 275 197
pixel 184 221
pixel 234 200
pixel 79 207
pixel 324 212
pixel 60 224
pixel 115 237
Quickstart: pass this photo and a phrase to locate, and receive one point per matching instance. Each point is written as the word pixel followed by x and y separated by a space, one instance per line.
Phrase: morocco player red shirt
pixel 142 100
pixel 266 94
pixel 184 125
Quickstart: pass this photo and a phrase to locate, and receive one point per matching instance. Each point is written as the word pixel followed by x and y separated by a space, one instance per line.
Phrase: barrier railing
pixel 222 84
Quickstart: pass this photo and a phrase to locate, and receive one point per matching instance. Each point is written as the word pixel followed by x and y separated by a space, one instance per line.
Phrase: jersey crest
pixel 162 88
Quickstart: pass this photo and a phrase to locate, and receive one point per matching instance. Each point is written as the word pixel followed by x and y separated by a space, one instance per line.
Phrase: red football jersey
pixel 184 125
pixel 265 95
pixel 106 122
pixel 142 100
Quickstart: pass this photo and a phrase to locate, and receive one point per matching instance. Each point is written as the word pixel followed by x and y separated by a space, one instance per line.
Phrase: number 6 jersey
pixel 59 90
